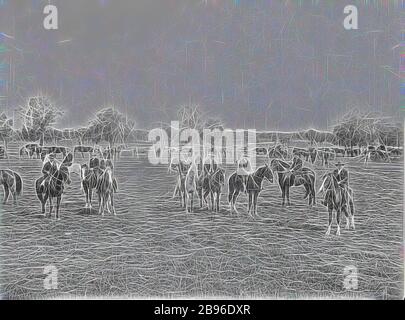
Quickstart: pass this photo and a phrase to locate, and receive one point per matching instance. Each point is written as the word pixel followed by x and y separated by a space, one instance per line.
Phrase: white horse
pixel 191 185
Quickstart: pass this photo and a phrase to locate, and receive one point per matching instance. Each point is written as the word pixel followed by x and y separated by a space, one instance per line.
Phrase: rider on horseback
pixel 244 169
pixel 296 164
pixel 49 165
pixel 342 177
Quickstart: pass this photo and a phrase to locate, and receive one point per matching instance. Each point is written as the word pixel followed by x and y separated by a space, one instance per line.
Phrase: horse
pixel 53 185
pixel 325 154
pixel 105 189
pixel 11 182
pixel 288 178
pixel 339 199
pixel 253 186
pixel 300 152
pixel 339 151
pixel 278 152
pixel 3 153
pixel 24 152
pixel 82 150
pixel 45 150
pixel 190 186
pixel 181 168
pixel 216 181
pixel 89 177
pixel 33 148
pixel 312 154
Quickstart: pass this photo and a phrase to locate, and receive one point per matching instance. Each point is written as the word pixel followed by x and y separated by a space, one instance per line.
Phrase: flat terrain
pixel 152 248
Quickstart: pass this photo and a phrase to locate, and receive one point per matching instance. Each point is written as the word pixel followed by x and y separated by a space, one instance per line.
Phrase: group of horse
pixel 34 150
pixel 207 179
pixel 96 175
pixel 327 154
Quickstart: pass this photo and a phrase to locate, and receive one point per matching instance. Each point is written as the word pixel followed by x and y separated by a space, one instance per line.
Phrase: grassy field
pixel 152 248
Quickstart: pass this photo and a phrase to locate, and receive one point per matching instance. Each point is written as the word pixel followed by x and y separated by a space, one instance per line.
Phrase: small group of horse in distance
pixel 198 179
pixel 34 150
pixel 327 154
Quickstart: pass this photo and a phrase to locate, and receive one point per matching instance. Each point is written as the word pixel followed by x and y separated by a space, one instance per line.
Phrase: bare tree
pixel 110 125
pixel 6 129
pixel 38 116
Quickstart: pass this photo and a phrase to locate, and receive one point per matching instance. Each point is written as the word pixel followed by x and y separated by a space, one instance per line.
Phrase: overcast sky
pixel 253 63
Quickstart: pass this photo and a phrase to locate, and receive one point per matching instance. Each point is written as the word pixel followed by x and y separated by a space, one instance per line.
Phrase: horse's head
pixel 109 164
pixel 94 162
pixel 276 166
pixel 64 174
pixel 102 164
pixel 329 182
pixel 221 176
pixel 268 173
pixel 84 168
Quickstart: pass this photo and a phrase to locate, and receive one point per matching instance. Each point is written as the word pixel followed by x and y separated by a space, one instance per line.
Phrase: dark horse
pixel 52 185
pixel 181 168
pixel 82 150
pixel 253 187
pixel 212 186
pixel 337 198
pixel 11 182
pixel 89 176
pixel 289 178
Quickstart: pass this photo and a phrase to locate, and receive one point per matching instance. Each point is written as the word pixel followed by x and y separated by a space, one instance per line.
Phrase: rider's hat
pixel 339 164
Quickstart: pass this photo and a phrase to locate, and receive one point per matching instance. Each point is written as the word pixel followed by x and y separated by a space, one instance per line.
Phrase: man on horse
pixel 341 174
pixel 296 164
pixel 244 169
pixel 342 177
pixel 49 165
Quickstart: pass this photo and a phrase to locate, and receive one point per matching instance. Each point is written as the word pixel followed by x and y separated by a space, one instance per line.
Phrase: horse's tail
pixel 230 189
pixel 18 183
pixel 307 191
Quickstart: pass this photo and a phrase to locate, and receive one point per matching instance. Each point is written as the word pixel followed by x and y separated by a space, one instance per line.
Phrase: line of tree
pixel 358 128
pixel 39 118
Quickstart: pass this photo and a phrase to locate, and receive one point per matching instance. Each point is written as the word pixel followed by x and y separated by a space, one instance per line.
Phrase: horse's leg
pixel 218 196
pixel 50 206
pixel 308 193
pixel 313 193
pixel 6 193
pixel 90 191
pixel 184 199
pixel 282 195
pixel 188 202
pixel 255 196
pixel 351 204
pixel 58 199
pixel 344 209
pixel 86 192
pixel 14 195
pixel 200 196
pixel 250 202
pixel 112 203
pixel 43 202
pixel 102 204
pixel 235 197
pixel 192 199
pixel 288 195
pixel 338 211
pixel 205 196
pixel 330 211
